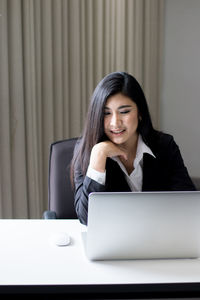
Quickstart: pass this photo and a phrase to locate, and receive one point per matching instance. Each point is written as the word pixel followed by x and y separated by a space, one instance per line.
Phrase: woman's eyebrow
pixel 124 106
pixel 120 107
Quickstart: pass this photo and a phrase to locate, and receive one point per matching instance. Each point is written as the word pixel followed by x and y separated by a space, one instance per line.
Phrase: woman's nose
pixel 115 120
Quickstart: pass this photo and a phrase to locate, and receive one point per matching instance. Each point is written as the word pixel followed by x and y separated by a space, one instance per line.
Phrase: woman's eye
pixel 106 113
pixel 125 112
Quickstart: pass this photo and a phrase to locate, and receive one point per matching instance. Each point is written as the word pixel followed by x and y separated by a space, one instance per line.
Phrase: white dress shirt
pixel 134 180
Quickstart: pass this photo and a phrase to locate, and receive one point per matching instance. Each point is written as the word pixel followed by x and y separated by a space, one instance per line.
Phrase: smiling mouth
pixel 117 132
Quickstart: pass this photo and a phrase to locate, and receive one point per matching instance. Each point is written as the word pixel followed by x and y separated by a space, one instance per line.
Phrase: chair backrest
pixel 60 193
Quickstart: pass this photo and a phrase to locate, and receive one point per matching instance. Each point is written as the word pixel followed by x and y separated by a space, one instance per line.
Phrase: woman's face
pixel 121 120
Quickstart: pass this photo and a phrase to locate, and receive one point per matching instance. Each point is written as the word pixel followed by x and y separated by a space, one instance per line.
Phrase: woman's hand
pixel 101 151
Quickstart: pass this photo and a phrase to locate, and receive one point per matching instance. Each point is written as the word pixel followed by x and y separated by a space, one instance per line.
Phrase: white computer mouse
pixel 61 239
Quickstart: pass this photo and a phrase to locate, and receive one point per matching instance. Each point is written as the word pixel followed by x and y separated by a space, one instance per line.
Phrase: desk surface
pixel 28 257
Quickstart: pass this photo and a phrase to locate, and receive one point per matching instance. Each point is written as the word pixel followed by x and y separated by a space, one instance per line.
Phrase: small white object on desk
pixel 61 239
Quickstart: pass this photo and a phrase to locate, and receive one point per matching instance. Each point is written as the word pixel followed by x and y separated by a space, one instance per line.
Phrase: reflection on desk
pixel 29 258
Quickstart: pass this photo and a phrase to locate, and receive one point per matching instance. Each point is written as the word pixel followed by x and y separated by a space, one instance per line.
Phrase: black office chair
pixel 60 193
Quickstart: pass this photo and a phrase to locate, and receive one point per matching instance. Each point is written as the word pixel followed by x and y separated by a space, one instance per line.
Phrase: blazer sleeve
pixel 83 187
pixel 180 179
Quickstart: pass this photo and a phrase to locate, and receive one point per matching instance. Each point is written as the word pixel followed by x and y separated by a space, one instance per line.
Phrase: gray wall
pixel 180 90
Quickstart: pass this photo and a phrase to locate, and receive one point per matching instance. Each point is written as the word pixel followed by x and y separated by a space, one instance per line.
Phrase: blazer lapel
pixel 150 173
pixel 115 178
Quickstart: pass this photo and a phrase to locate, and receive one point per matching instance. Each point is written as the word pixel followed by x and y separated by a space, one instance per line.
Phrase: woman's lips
pixel 117 132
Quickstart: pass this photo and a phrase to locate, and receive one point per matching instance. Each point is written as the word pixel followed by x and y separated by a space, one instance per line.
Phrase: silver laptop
pixel 143 225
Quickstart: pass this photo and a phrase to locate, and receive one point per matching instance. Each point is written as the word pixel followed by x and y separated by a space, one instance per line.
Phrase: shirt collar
pixel 141 149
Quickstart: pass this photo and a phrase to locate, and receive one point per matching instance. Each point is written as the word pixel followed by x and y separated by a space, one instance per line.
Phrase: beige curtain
pixel 53 53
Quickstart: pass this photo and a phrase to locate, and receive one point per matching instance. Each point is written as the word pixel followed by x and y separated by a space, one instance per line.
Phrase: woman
pixel 120 150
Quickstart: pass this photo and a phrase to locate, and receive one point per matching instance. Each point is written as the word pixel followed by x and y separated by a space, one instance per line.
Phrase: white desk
pixel 28 259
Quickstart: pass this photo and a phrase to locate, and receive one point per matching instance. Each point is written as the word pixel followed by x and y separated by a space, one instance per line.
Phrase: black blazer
pixel 166 172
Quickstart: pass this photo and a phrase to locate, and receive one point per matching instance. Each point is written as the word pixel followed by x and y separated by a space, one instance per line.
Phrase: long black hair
pixel 93 133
